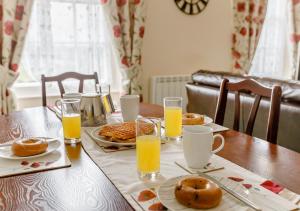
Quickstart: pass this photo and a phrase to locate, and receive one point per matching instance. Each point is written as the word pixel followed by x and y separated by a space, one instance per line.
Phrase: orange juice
pixel 173 121
pixel 148 154
pixel 71 125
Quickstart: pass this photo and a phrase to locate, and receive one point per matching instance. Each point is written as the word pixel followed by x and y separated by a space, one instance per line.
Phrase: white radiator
pixel 168 86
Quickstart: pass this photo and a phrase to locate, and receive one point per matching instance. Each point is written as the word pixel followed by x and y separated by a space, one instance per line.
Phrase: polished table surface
pixel 83 186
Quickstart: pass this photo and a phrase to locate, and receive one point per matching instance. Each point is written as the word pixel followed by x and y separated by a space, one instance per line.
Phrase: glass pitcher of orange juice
pixel 173 117
pixel 148 147
pixel 71 120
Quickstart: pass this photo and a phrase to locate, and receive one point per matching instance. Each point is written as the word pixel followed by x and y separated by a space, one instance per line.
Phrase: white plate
pixel 263 198
pixel 6 153
pixel 167 197
pixel 207 120
pixel 96 137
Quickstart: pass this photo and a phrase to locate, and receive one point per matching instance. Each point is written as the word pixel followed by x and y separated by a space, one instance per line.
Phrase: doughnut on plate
pixel 167 197
pixel 5 152
pixel 207 120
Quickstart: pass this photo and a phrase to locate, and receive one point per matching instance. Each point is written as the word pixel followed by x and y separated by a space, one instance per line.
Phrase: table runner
pixel 120 167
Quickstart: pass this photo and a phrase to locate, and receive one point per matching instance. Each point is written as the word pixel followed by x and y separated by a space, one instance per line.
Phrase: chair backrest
pixel 253 87
pixel 60 78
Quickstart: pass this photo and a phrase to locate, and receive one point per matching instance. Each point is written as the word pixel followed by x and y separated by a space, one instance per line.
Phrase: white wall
pixel 176 43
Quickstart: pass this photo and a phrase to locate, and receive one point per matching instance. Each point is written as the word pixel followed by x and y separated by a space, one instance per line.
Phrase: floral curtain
pixel 247 22
pixel 277 54
pixel 14 16
pixel 127 21
pixel 296 35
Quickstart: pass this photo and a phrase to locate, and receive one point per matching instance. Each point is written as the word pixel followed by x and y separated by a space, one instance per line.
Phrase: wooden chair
pixel 251 86
pixel 60 78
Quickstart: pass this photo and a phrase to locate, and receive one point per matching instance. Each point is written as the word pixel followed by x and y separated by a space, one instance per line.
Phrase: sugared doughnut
pixel 192 119
pixel 198 193
pixel 29 147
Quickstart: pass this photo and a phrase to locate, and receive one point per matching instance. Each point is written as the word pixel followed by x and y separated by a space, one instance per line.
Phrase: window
pixel 68 35
pixel 273 56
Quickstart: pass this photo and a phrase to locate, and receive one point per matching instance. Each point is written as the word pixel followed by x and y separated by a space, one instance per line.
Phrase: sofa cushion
pixel 290 89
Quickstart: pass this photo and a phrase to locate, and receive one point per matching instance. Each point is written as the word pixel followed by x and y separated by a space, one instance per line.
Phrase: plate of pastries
pixel 29 148
pixel 120 133
pixel 195 119
pixel 191 192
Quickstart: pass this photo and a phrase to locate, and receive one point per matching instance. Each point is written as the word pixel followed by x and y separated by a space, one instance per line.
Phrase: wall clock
pixel 191 7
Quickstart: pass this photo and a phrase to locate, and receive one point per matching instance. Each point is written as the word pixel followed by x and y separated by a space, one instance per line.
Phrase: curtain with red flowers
pixel 127 22
pixel 296 36
pixel 14 16
pixel 247 22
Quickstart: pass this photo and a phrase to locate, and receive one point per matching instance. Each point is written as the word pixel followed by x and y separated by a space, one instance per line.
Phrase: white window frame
pixel 33 90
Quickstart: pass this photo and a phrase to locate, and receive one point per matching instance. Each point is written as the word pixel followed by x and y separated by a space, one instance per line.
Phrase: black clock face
pixel 191 7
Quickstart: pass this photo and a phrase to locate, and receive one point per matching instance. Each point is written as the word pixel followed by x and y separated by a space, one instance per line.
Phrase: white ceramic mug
pixel 197 145
pixel 130 107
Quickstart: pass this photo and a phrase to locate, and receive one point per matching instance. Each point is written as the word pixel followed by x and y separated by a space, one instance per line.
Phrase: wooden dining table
pixel 83 186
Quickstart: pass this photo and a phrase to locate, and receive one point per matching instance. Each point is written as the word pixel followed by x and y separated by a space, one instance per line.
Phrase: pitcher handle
pixel 58 103
pixel 222 143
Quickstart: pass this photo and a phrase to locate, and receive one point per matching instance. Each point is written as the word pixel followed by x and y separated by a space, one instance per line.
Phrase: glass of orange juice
pixel 148 148
pixel 173 117
pixel 71 121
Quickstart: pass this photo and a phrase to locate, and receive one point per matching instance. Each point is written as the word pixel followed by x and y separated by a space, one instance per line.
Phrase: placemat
pixel 54 160
pixel 120 167
pixel 210 167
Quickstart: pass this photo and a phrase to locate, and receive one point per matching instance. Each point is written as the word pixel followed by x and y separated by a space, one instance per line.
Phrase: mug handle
pixel 222 143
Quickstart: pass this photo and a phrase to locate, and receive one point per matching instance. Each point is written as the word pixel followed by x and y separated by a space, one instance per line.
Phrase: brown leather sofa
pixel 203 92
